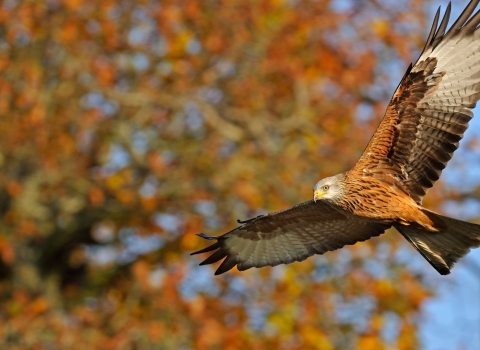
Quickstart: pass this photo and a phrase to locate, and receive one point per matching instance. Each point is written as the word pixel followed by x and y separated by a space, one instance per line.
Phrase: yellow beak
pixel 317 195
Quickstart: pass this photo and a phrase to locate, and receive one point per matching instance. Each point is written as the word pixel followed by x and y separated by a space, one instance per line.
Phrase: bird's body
pixel 368 198
pixel 421 129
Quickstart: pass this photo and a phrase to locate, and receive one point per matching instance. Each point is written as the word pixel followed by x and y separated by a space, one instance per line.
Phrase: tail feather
pixel 443 248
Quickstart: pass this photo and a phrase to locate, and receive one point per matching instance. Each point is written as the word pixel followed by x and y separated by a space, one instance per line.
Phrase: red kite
pixel 421 129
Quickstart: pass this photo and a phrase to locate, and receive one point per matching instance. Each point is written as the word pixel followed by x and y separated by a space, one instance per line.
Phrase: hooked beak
pixel 317 194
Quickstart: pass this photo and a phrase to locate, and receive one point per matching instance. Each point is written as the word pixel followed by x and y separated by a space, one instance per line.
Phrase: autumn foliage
pixel 129 126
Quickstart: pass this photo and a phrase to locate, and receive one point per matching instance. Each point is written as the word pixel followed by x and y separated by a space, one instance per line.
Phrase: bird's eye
pixel 325 188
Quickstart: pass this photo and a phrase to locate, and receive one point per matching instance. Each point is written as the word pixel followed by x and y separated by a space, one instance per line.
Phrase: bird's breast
pixel 376 199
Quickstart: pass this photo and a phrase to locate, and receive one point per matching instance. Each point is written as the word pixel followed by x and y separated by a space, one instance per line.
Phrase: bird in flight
pixel 421 129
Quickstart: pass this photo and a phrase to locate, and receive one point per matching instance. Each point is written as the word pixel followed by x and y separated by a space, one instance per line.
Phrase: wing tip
pixel 214 246
pixel 216 256
pixel 439 32
pixel 203 235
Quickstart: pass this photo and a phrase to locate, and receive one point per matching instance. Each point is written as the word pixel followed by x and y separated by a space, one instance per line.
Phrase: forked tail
pixel 443 248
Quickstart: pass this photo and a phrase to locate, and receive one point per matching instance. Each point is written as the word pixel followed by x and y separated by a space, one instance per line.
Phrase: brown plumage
pixel 422 127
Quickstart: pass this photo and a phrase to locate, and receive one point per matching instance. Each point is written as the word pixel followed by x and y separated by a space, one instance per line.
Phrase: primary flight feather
pixel 421 129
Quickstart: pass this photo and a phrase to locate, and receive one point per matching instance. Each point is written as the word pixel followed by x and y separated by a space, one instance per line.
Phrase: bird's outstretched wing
pixel 289 235
pixel 431 108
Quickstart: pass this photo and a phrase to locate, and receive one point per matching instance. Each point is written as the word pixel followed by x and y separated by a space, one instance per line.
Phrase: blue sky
pixel 451 320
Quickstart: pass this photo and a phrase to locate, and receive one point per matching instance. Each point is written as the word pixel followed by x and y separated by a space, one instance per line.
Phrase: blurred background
pixel 129 126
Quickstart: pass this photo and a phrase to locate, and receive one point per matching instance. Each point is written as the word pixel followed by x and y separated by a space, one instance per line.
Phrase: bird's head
pixel 330 188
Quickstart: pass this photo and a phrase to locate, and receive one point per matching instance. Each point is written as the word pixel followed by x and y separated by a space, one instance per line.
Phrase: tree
pixel 128 127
